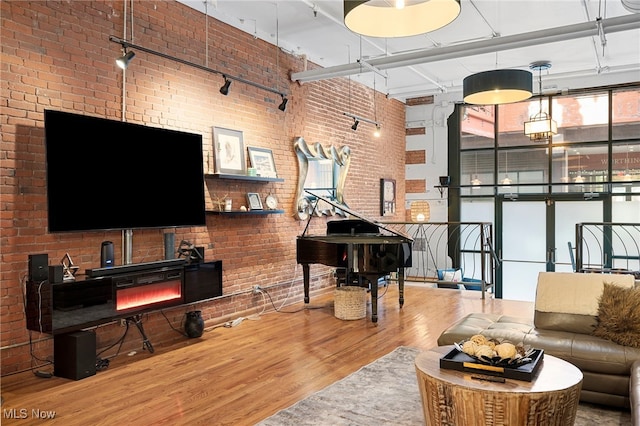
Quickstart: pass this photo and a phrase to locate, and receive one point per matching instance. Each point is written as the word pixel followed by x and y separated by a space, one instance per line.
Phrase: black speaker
pixel 106 254
pixel 74 355
pixel 56 274
pixel 38 267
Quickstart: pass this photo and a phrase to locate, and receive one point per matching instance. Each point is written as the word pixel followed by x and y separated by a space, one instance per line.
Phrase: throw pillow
pixel 453 276
pixel 619 315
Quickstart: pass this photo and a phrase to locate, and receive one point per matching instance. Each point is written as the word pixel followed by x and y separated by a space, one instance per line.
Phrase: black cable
pixel 173 328
pixel 34 357
pixel 288 312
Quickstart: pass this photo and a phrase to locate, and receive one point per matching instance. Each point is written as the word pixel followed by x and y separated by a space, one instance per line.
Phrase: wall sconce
pixel 123 61
pixel 397 19
pixel 497 87
pixel 225 87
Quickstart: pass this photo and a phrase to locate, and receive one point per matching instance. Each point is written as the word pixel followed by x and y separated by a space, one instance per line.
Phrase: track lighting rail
pixel 126 44
pixel 358 118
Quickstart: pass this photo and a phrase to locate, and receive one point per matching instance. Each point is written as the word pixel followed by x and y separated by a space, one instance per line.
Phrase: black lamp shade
pixel 497 87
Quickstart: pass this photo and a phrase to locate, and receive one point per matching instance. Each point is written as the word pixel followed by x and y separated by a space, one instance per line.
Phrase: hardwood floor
pixel 240 375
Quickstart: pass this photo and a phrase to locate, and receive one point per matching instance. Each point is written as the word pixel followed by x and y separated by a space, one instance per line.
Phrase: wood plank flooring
pixel 240 375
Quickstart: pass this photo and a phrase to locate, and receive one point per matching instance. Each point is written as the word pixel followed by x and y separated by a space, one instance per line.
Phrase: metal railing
pixel 608 247
pixel 464 246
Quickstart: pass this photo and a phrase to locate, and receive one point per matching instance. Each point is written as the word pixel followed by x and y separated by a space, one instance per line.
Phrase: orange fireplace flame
pixel 135 297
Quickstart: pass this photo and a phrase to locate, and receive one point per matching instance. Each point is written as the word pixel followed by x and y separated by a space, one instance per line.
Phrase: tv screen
pixel 107 174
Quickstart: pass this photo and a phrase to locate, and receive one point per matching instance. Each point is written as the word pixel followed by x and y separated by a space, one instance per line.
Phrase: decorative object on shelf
pixel 387 197
pixel 497 87
pixel 253 199
pixel 321 171
pixel 540 126
pixel 262 161
pixel 271 201
pixel 219 202
pixel 229 151
pixel 68 268
pixel 194 324
pixel 397 19
pixel 251 171
pixel 243 208
pixel 188 250
pixel 445 180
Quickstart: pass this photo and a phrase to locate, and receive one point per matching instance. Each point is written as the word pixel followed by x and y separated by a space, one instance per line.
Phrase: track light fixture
pixel 225 87
pixel 129 55
pixel 283 104
pixel 123 61
pixel 357 120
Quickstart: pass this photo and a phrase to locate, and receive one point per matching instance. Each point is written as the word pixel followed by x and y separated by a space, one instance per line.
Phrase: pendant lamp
pixel 384 18
pixel 497 87
pixel 540 126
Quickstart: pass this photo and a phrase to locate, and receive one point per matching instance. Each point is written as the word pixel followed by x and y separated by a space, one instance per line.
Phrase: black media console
pixel 107 294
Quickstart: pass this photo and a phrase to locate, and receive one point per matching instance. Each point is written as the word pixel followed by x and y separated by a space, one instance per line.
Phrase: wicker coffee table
pixel 451 397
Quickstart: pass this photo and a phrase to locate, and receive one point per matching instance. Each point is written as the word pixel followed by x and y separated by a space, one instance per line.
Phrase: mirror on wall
pixel 321 171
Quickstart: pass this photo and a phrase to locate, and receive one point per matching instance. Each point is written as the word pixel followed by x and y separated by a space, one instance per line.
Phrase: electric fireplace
pixel 150 290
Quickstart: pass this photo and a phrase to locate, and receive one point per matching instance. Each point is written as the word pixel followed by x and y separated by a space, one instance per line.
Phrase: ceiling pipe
pixel 551 35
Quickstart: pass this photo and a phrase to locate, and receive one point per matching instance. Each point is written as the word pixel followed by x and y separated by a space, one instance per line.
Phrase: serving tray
pixel 456 360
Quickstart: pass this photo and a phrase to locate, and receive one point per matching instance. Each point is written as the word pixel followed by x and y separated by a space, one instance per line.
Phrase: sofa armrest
pixel 634 393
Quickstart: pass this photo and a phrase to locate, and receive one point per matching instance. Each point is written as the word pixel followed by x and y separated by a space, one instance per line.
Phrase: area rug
pixel 386 392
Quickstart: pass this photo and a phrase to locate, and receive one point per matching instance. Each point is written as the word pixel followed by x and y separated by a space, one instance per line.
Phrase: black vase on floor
pixel 194 324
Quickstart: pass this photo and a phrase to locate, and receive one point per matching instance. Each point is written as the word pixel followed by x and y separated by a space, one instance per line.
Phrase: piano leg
pixel 401 286
pixel 373 282
pixel 306 276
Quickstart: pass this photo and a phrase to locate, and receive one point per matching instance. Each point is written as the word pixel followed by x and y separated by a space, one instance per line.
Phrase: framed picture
pixel 387 197
pixel 262 160
pixel 253 199
pixel 229 151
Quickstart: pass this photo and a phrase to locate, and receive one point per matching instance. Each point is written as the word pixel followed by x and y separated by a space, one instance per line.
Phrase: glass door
pixel 535 234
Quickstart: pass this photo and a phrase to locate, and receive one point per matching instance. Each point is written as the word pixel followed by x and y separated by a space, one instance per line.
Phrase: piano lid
pixel 353 213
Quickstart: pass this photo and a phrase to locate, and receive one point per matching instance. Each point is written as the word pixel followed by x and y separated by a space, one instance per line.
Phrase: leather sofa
pixel 565 315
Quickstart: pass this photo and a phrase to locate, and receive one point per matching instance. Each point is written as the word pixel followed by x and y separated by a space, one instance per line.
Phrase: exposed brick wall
pixel 416 186
pixel 58 55
pixel 416 157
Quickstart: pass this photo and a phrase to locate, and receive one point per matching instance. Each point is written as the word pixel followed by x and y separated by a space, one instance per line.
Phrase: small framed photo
pixel 262 160
pixel 229 151
pixel 253 199
pixel 387 197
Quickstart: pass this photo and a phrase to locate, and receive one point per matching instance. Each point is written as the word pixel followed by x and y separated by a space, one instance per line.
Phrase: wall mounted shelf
pixel 248 212
pixel 243 177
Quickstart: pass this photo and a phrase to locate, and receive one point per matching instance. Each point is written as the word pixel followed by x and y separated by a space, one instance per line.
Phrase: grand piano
pixel 365 250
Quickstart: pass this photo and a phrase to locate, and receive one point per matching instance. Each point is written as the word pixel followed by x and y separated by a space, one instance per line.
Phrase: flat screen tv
pixel 106 174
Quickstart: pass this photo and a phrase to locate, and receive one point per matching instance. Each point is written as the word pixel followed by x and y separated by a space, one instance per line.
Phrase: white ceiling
pixel 315 29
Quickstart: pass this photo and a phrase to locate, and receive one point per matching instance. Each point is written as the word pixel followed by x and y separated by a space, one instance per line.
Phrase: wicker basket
pixel 350 303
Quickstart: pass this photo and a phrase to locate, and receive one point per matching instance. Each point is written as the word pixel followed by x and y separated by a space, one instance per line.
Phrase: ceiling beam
pixel 546 36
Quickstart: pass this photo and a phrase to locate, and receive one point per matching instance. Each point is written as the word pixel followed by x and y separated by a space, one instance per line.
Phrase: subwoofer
pixel 74 355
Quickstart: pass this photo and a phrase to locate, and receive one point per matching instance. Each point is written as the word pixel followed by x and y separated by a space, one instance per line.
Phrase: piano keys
pixel 365 250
